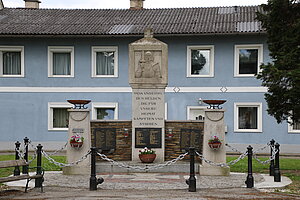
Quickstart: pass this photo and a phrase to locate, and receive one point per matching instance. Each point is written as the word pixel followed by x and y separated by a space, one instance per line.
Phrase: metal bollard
pixel 192 180
pixel 272 142
pixel 277 176
pixel 39 181
pixel 25 168
pixel 93 179
pixel 17 169
pixel 250 180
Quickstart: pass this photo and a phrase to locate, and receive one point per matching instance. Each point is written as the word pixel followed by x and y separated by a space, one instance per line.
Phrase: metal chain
pixel 261 149
pixel 242 156
pixel 234 149
pixel 59 150
pixel 272 157
pixel 33 157
pixel 119 164
pixel 63 164
pixel 21 155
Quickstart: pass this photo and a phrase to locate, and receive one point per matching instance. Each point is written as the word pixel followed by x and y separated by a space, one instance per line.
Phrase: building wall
pixel 24 101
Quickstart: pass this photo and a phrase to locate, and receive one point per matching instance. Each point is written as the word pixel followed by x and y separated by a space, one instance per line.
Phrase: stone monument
pixel 214 126
pixel 79 124
pixel 148 77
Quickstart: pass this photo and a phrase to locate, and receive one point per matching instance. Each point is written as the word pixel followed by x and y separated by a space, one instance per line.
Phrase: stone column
pixel 79 123
pixel 148 77
pixel 214 126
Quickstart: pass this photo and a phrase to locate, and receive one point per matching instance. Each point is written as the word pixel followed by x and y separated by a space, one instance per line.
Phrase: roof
pixel 214 20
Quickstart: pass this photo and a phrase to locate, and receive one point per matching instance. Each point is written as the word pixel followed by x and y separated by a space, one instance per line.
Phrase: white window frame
pixel 60 49
pixel 259 116
pixel 189 108
pixel 96 49
pixel 259 47
pixel 12 49
pixel 291 129
pixel 96 105
pixel 52 105
pixel 189 61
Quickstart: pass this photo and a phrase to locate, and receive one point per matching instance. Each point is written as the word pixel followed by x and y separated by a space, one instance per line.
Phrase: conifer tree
pixel 281 20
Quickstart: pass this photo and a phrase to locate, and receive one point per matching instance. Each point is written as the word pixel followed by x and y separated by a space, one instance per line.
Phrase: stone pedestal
pixel 148 120
pixel 214 126
pixel 79 124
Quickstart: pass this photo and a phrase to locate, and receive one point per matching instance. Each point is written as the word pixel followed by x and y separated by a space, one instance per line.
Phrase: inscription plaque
pixel 105 138
pixel 148 137
pixel 190 138
pixel 78 130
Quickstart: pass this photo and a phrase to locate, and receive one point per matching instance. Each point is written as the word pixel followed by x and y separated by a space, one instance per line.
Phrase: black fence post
pixel 25 168
pixel 39 181
pixel 192 180
pixel 17 169
pixel 250 180
pixel 272 142
pixel 93 179
pixel 277 176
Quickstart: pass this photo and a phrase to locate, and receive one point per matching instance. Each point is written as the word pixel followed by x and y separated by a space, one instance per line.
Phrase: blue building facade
pixel 32 98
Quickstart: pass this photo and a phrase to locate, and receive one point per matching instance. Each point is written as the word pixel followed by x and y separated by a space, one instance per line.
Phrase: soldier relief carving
pixel 147 67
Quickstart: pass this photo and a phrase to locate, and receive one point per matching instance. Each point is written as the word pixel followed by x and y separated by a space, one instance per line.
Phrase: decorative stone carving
pixel 147 68
pixel 214 116
pixel 148 62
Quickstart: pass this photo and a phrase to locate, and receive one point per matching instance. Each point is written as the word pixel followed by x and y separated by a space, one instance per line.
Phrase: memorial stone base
pixel 214 126
pixel 77 170
pixel 79 124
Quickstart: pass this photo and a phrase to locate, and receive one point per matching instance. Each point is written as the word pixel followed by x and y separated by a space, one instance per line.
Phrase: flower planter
pixel 76 145
pixel 214 145
pixel 147 158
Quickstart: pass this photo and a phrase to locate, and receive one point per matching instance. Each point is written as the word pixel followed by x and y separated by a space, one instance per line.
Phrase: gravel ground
pixel 65 193
pixel 145 186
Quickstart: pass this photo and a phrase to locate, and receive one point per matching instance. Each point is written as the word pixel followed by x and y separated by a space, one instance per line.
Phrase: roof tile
pixel 215 20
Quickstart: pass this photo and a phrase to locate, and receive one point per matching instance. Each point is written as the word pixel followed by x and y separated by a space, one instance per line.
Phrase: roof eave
pixel 132 35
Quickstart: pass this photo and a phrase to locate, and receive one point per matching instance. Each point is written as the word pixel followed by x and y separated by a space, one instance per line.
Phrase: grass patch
pixel 45 164
pixel 288 167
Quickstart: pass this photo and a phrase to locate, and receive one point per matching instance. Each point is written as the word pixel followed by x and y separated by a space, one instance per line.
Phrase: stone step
pixel 178 167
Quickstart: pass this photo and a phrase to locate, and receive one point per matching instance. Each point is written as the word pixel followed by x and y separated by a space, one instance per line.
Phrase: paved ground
pixel 149 186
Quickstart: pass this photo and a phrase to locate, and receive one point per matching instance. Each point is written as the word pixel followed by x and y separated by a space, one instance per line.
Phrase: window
pixel 104 111
pixel 104 62
pixel 58 116
pixel 61 61
pixel 247 59
pixel 196 112
pixel 200 61
pixel 11 61
pixel 248 117
pixel 295 128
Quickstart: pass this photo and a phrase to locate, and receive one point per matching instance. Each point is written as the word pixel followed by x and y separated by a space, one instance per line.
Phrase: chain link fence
pixel 272 157
pixel 47 156
pixel 145 168
pixel 21 154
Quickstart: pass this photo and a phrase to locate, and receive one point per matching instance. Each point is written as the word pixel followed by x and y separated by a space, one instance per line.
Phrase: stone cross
pixel 148 33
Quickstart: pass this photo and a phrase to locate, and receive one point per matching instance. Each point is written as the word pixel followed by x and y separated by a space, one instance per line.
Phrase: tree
pixel 198 61
pixel 281 20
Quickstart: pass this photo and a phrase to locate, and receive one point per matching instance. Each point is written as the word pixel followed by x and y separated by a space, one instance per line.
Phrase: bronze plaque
pixel 105 138
pixel 148 137
pixel 190 138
